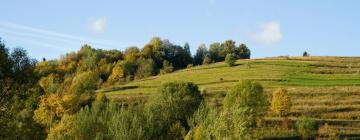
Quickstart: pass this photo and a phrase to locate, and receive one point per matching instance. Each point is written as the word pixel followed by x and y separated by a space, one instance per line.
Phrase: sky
pixel 50 29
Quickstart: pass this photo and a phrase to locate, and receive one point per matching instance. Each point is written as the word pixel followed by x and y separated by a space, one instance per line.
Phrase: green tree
pixel 201 52
pixel 306 54
pixel 19 93
pixel 230 60
pixel 249 97
pixel 214 52
pixel 306 127
pixel 176 101
pixel 145 68
pixel 227 47
pixel 243 52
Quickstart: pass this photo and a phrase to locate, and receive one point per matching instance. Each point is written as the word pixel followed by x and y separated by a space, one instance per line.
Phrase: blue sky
pixel 269 28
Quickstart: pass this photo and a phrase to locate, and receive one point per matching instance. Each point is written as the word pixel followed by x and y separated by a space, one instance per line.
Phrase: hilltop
pixel 325 88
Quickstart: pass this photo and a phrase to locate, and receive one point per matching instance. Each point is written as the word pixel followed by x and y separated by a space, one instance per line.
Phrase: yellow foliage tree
pixel 117 74
pixel 281 102
pixel 50 109
pixel 64 130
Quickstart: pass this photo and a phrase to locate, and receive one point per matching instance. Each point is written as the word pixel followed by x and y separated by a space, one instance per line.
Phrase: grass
pixel 320 87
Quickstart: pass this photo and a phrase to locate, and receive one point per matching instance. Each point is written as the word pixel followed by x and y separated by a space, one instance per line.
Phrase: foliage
pixel 117 74
pixel 64 130
pixel 176 101
pixel 230 60
pixel 306 54
pixel 243 52
pixel 214 52
pixel 200 54
pixel 167 67
pixel 306 127
pixel 19 94
pixel 145 68
pixel 249 97
pixel 207 60
pixel 281 102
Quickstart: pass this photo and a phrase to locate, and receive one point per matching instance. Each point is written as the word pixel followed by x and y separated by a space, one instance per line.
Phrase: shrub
pixel 63 130
pixel 167 67
pixel 246 94
pixel 281 102
pixel 176 101
pixel 230 60
pixel 306 127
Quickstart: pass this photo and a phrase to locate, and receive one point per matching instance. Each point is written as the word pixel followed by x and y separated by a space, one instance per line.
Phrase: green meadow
pixel 324 88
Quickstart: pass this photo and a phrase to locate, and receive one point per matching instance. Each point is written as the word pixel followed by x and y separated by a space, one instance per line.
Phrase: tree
pixel 175 102
pixel 145 68
pixel 131 54
pixel 306 127
pixel 214 52
pixel 167 67
pixel 187 49
pixel 117 74
pixel 85 82
pixel 227 47
pixel 207 59
pixel 19 93
pixel 230 60
pixel 306 54
pixel 64 130
pixel 243 52
pixel 281 102
pixel 201 52
pixel 249 97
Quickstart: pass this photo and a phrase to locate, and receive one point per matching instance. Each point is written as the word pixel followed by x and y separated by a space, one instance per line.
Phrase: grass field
pixel 325 88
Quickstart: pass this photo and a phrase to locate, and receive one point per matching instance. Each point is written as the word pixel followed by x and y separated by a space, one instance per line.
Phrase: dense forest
pixel 56 99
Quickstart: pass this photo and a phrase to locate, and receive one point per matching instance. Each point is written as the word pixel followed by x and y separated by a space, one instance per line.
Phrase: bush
pixel 281 102
pixel 176 101
pixel 230 60
pixel 306 127
pixel 167 67
pixel 246 94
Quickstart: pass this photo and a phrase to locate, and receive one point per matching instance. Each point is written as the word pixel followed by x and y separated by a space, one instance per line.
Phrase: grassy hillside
pixel 324 88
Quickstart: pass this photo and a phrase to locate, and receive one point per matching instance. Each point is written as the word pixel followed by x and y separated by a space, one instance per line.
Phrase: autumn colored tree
pixel 281 102
pixel 117 74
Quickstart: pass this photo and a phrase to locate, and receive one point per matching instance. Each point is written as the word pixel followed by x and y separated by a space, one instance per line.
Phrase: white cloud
pixel 270 33
pixel 98 25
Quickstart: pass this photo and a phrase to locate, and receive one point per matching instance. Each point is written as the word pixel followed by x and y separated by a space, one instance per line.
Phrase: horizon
pixel 276 28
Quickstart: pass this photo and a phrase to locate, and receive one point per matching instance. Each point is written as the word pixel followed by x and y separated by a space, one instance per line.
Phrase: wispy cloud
pixel 98 25
pixel 269 34
pixel 50 36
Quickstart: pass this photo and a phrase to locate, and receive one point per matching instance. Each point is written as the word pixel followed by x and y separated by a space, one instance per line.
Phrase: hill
pixel 324 88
